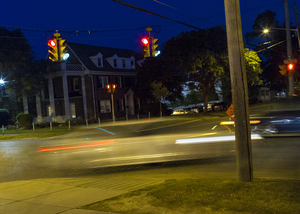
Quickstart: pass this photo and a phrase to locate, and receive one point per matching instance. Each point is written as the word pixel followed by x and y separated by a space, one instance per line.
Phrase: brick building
pixel 77 87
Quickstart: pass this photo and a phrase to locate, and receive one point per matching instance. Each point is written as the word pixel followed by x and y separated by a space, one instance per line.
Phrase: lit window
pixel 73 110
pixel 105 106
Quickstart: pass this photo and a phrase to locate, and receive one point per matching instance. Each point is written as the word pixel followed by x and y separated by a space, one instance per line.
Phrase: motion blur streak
pixel 142 121
pixel 79 146
pixel 232 122
pixel 213 139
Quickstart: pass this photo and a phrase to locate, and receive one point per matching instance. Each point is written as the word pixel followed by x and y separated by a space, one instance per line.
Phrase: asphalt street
pixel 136 145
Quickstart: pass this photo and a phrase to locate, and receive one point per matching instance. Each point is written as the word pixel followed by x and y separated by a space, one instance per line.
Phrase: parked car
pixel 179 112
pixel 278 122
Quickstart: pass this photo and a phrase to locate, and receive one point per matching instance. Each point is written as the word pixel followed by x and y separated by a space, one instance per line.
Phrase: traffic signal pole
pixel 291 89
pixel 239 91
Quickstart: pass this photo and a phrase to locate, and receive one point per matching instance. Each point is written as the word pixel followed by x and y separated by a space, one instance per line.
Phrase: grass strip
pixel 38 133
pixel 208 196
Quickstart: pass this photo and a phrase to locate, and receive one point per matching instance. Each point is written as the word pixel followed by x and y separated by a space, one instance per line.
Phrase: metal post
pixel 51 126
pixel 138 116
pixel 2 129
pixel 112 105
pixel 69 125
pixel 149 114
pixel 99 121
pixel 239 90
pixel 291 90
pixel 33 127
pixel 87 123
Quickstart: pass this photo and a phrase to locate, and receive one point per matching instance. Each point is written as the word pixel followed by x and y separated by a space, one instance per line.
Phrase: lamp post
pixel 290 59
pixel 111 89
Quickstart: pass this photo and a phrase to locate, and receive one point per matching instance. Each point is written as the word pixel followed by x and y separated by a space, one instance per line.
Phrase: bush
pixel 80 121
pixel 4 117
pixel 92 120
pixel 25 120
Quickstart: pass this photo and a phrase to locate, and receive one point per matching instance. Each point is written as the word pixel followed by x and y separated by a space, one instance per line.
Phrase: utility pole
pixel 291 90
pixel 297 24
pixel 239 90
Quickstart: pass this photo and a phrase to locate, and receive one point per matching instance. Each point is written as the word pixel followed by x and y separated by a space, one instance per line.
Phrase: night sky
pixel 116 25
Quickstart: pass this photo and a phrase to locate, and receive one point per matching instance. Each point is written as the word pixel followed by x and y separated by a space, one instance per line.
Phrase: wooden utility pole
pixel 239 90
pixel 291 89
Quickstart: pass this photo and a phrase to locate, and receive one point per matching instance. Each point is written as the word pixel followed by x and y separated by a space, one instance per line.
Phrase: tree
pixel 199 58
pixel 23 75
pixel 272 48
pixel 159 92
pixel 253 70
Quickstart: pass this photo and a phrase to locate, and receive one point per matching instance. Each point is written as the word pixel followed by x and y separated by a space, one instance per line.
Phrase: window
pixel 123 63
pixel 128 82
pixel 119 82
pixel 105 106
pixel 132 64
pixel 99 62
pixel 102 81
pixel 120 105
pixel 76 83
pixel 3 91
pixel 115 63
pixel 73 110
pixel 49 111
pixel 267 93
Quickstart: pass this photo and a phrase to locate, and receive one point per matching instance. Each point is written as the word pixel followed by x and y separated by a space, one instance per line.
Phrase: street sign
pixel 287 61
pixel 230 112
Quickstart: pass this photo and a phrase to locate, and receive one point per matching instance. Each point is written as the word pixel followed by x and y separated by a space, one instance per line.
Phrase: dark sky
pixel 115 25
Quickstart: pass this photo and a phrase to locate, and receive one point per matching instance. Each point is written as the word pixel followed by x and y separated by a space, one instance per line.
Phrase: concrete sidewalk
pixel 63 195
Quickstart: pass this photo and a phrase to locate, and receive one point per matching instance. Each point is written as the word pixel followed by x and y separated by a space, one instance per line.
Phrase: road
pixel 137 143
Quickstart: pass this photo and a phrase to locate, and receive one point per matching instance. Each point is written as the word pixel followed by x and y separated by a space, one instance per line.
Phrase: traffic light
pixel 53 50
pixel 146 47
pixel 111 88
pixel 62 50
pixel 282 69
pixel 114 86
pixel 108 86
pixel 289 68
pixel 155 52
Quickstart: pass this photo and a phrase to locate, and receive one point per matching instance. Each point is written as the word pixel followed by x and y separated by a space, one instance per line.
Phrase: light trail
pixel 214 139
pixel 78 146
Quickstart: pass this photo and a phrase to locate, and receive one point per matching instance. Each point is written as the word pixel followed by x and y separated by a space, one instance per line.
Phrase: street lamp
pixel 290 58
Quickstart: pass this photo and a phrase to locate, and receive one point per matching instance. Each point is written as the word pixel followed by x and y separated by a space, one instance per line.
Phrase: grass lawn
pixel 39 133
pixel 208 197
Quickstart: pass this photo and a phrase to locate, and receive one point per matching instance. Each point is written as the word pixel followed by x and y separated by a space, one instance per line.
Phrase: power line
pixel 156 14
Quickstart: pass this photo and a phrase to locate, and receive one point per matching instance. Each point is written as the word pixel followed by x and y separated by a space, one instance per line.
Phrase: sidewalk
pixel 63 195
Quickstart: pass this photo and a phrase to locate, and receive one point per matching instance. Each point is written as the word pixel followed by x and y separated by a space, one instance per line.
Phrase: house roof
pixel 84 52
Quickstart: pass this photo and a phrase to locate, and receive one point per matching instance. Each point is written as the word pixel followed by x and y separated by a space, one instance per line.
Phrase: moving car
pixel 179 112
pixel 278 122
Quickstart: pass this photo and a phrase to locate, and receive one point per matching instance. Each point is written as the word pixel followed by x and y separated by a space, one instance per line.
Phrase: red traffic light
pixel 51 43
pixel 145 41
pixel 290 66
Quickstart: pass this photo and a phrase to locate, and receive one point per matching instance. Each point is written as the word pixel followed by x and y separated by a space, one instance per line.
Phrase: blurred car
pixel 179 112
pixel 278 122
